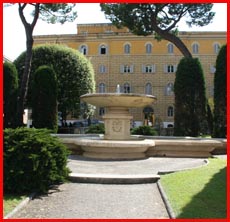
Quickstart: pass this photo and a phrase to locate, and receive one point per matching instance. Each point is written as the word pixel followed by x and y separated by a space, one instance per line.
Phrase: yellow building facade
pixel 140 64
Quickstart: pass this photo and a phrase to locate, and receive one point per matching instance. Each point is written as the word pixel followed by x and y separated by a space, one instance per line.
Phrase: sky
pixel 14 41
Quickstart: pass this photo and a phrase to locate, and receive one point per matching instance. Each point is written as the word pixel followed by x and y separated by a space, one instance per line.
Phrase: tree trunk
pixel 21 100
pixel 175 40
pixel 23 88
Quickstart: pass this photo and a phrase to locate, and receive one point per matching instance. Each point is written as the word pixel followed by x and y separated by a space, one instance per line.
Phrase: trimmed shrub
pixel 220 93
pixel 190 99
pixel 98 129
pixel 44 99
pixel 10 89
pixel 33 160
pixel 75 75
pixel 144 130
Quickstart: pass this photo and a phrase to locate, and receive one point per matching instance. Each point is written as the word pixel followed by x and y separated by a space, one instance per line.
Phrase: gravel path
pixel 86 200
pixel 74 200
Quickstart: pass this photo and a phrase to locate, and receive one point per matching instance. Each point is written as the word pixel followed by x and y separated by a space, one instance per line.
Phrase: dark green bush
pixel 220 94
pixel 10 89
pixel 33 160
pixel 75 75
pixel 144 130
pixel 44 99
pixel 98 128
pixel 190 99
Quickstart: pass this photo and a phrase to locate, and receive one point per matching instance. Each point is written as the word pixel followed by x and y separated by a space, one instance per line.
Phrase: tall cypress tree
pixel 10 88
pixel 44 98
pixel 190 99
pixel 220 94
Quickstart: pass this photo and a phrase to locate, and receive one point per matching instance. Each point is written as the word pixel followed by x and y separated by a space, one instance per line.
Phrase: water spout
pixel 118 90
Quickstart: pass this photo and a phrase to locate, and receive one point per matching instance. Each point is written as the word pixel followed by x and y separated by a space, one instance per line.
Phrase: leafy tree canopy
pixel 75 74
pixel 50 13
pixel 57 13
pixel 158 19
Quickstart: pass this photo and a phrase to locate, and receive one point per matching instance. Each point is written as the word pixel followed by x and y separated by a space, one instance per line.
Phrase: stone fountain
pixel 117 143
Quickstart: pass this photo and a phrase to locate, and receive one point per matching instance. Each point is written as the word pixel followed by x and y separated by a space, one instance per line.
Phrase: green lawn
pixel 198 193
pixel 10 201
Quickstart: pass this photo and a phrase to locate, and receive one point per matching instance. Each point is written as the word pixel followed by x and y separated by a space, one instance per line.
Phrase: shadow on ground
pixel 211 200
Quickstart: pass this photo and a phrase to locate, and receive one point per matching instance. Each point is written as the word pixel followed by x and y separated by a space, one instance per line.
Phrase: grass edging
pixel 166 201
pixel 22 204
pixel 203 191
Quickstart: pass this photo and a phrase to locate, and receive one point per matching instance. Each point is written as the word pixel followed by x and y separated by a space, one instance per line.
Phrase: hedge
pixel 33 160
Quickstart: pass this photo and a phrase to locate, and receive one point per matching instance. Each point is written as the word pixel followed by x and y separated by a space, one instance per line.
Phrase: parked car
pixel 78 124
pixel 85 123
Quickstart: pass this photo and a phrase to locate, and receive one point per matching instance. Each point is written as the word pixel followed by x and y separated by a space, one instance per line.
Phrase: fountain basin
pixel 95 147
pixel 125 100
pixel 117 118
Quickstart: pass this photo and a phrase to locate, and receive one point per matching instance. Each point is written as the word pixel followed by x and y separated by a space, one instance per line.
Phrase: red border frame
pixel 104 1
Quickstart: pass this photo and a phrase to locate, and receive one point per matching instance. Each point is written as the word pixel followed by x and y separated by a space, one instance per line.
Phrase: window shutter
pixel 175 68
pixel 131 68
pixel 153 68
pixel 143 68
pixel 121 68
pixel 165 67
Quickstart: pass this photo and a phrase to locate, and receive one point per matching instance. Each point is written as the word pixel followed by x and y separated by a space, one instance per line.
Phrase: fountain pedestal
pixel 117 123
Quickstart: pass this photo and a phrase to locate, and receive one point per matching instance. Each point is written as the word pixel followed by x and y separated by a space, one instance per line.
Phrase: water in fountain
pixel 118 90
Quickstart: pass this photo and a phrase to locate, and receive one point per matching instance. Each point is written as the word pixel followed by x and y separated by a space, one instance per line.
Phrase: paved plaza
pixel 108 199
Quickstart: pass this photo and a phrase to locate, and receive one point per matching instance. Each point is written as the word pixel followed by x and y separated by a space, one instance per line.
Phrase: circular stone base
pixel 114 156
pixel 114 149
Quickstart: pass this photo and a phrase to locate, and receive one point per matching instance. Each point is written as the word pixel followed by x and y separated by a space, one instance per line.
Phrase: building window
pixel 170 68
pixel 216 48
pixel 148 48
pixel 211 90
pixel 102 50
pixel 148 89
pixel 101 111
pixel 126 68
pixel 83 49
pixel 127 88
pixel 212 69
pixel 170 48
pixel 148 68
pixel 102 88
pixel 195 48
pixel 170 111
pixel 127 48
pixel 169 89
pixel 102 69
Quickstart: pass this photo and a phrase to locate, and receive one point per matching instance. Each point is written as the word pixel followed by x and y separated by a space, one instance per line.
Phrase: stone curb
pixel 20 206
pixel 114 179
pixel 166 201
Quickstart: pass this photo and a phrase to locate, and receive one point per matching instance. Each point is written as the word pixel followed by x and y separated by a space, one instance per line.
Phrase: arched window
pixel 170 48
pixel 148 89
pixel 169 89
pixel 195 48
pixel 148 48
pixel 127 48
pixel 102 49
pixel 101 111
pixel 216 48
pixel 102 88
pixel 170 111
pixel 127 88
pixel 83 49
